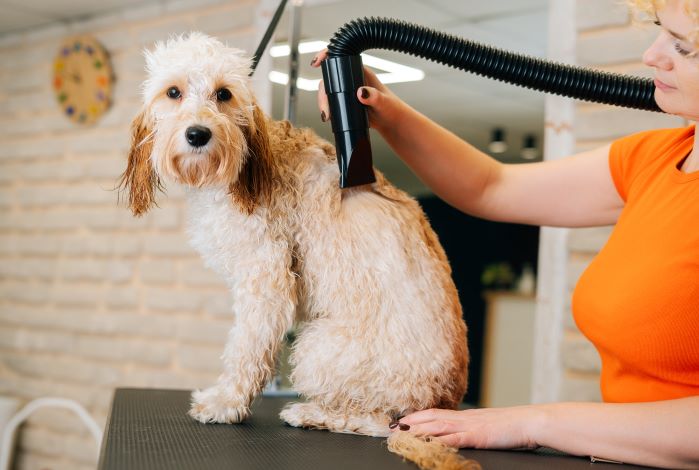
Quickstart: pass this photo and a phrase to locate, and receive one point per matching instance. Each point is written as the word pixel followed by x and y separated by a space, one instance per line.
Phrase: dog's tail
pixel 428 454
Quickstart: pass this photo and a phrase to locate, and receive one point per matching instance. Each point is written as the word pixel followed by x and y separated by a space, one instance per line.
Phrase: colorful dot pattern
pixel 82 80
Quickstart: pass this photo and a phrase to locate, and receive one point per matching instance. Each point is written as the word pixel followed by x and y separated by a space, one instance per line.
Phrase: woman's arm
pixel 572 192
pixel 661 434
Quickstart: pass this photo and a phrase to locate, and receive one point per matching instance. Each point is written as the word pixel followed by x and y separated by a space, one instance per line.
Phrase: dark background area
pixel 471 244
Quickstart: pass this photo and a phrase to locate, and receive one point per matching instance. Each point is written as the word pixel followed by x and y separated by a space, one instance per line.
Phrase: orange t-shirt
pixel 638 301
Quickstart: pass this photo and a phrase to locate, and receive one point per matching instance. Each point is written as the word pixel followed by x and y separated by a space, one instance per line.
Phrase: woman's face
pixel 676 69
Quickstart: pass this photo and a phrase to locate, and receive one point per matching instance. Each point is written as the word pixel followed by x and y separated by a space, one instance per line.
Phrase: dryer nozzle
pixel 342 77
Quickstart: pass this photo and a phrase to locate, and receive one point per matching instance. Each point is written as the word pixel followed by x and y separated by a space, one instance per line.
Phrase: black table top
pixel 149 429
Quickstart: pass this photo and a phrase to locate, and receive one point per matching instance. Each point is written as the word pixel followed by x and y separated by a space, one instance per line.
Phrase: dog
pixel 381 332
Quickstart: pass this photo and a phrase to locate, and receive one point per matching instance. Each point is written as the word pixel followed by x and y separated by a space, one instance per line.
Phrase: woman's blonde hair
pixel 691 7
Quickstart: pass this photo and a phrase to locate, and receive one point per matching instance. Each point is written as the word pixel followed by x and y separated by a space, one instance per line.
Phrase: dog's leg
pixel 264 303
pixel 312 415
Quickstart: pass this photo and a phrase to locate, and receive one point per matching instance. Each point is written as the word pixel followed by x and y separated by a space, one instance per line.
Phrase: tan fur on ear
pixel 254 184
pixel 139 178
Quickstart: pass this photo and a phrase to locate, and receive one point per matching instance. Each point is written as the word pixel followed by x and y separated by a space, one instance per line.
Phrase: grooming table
pixel 149 429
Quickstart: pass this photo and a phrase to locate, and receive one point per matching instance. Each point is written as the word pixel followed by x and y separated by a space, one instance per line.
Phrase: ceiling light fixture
pixel 497 143
pixel 529 150
pixel 394 72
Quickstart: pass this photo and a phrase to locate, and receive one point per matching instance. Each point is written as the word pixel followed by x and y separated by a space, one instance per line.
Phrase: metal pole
pixel 291 96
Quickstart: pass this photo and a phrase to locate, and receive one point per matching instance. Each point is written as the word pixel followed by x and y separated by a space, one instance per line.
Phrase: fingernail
pixel 322 116
pixel 403 427
pixel 313 62
pixel 393 425
pixel 365 93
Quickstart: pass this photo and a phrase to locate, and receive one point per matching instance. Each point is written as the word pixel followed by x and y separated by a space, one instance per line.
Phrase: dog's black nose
pixel 197 136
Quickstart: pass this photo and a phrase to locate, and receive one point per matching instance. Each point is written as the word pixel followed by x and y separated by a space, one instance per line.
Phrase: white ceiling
pixel 469 105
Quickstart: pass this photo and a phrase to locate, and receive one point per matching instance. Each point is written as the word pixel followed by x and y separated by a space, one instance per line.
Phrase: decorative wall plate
pixel 82 79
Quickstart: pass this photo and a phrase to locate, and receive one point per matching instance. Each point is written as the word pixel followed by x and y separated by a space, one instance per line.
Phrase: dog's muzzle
pixel 197 136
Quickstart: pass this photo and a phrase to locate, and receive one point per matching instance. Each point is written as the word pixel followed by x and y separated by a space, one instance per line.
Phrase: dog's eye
pixel 223 94
pixel 173 92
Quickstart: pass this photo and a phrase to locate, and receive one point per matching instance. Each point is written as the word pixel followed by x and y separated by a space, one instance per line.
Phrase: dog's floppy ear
pixel 254 184
pixel 139 178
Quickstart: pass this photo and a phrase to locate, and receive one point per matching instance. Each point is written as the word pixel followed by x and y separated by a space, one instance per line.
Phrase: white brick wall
pixel 606 40
pixel 90 297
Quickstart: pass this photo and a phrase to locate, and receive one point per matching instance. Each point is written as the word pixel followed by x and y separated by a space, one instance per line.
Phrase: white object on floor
pixel 14 422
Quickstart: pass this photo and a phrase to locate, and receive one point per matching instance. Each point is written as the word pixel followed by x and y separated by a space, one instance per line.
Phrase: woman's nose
pixel 657 54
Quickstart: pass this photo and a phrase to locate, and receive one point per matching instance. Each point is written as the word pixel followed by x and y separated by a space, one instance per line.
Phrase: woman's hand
pixel 487 428
pixel 384 107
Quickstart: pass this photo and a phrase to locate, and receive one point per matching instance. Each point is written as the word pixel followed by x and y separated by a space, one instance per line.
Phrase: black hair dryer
pixel 343 75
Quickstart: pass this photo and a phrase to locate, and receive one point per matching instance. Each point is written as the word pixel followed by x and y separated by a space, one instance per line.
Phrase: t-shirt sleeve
pixel 625 159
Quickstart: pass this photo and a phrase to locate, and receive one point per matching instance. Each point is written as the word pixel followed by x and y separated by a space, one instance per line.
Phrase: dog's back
pixel 384 329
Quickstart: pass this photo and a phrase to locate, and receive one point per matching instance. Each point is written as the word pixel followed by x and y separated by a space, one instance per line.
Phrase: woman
pixel 638 302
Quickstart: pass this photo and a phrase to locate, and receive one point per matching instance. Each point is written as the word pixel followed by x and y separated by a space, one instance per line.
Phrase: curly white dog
pixel 381 328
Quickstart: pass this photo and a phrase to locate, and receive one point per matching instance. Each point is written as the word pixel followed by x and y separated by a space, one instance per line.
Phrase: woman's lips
pixel 662 86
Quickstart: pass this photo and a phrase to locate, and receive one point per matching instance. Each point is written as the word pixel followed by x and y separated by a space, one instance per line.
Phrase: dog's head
pixel 199 126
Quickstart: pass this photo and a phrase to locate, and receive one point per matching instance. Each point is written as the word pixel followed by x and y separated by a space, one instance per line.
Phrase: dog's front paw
pixel 213 406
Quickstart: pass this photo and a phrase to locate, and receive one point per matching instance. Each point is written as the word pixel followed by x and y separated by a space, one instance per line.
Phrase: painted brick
pixel 589 240
pixel 614 45
pixel 194 273
pixel 158 378
pixel 62 368
pixel 608 123
pixel 37 245
pixel 177 6
pixel 157 272
pixel 58 420
pixel 115 40
pixel 151 352
pixel 580 355
pixel 203 330
pixel 23 292
pixel 29 388
pixel 80 295
pixel 219 305
pixel 167 216
pixel 80 448
pixel 199 358
pixel 121 297
pixel 580 388
pixel 168 245
pixel 33 79
pixel 100 244
pixel 591 14
pixel 219 21
pixel 576 266
pixel 143 13
pixel 26 460
pixel 9 244
pixel 174 301
pixel 49 34
pixel 148 35
pixel 29 268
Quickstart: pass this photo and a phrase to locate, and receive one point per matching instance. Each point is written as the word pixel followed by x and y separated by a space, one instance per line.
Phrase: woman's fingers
pixel 427 415
pixel 319 57
pixel 322 98
pixel 458 439
pixel 438 427
pixel 371 95
pixel 323 104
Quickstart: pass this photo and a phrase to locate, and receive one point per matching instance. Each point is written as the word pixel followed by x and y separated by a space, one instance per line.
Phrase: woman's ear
pixel 254 184
pixel 140 179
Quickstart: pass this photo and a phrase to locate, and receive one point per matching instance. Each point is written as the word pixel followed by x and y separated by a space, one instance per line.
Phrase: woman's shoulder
pixel 646 153
pixel 651 139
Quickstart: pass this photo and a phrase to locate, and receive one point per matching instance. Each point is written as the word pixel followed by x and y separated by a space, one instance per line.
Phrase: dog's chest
pixel 222 234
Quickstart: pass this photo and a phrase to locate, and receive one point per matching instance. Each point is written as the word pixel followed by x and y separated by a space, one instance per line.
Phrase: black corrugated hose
pixel 539 74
